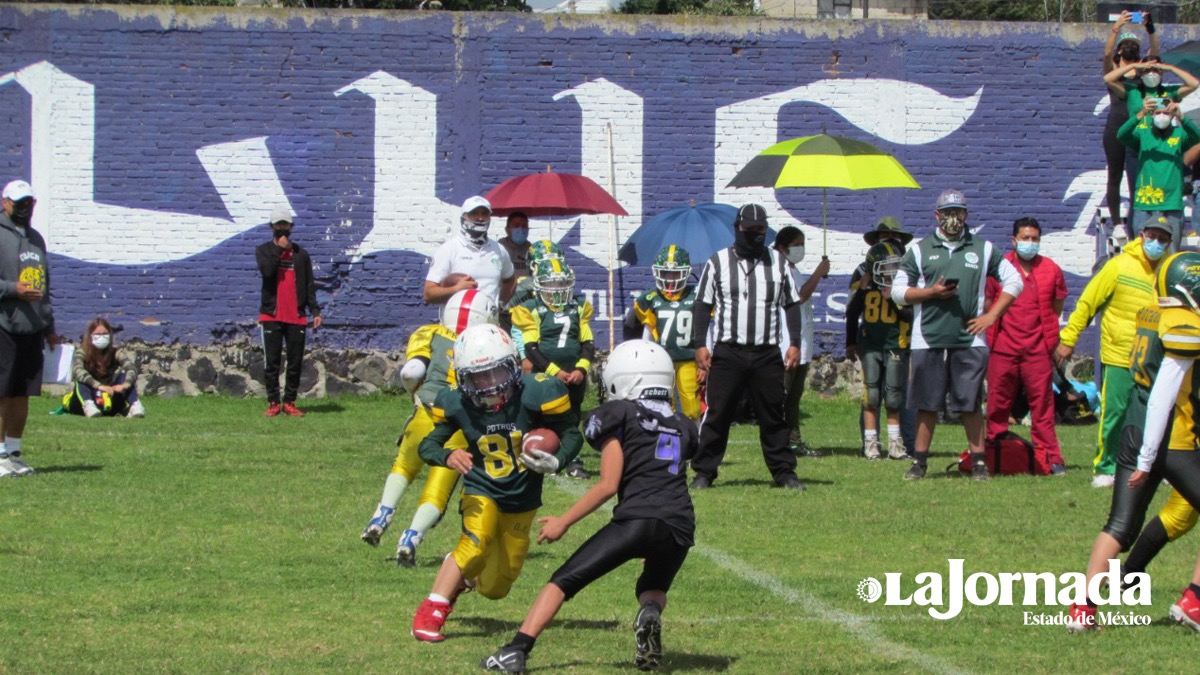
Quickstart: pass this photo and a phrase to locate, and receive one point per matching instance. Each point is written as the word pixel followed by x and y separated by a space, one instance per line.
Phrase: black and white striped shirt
pixel 747 296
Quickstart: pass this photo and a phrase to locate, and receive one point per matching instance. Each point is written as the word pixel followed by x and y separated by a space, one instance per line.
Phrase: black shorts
pixel 1127 512
pixel 616 544
pixel 20 364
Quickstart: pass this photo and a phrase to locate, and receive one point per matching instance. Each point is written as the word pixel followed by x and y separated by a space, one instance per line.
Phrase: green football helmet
pixel 1178 281
pixel 672 267
pixel 542 250
pixel 554 282
pixel 883 260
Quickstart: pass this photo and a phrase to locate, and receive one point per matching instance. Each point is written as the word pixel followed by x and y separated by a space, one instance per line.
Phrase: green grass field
pixel 207 538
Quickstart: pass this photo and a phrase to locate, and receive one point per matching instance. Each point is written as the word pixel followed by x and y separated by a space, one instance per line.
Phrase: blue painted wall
pixel 373 127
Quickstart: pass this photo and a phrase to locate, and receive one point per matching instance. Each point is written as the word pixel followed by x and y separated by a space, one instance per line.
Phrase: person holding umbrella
pixel 746 285
pixel 943 277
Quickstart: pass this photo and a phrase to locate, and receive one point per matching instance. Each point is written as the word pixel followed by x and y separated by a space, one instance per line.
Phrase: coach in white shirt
pixel 484 262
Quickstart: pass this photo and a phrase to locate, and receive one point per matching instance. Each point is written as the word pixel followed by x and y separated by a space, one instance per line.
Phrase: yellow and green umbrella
pixel 826 162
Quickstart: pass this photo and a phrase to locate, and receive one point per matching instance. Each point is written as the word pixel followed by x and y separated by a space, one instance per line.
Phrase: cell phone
pixel 950 283
pixel 1136 17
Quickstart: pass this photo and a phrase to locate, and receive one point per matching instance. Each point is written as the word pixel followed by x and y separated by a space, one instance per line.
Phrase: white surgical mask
pixel 1151 80
pixel 795 254
pixel 1162 120
pixel 101 341
pixel 1027 250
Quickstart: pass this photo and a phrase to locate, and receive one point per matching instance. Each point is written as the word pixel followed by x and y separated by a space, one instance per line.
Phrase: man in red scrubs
pixel 1022 346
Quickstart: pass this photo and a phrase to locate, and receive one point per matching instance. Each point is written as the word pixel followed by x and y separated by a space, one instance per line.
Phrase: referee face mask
pixel 750 242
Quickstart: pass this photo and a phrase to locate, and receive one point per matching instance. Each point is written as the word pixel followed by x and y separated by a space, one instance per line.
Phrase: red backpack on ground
pixel 1006 455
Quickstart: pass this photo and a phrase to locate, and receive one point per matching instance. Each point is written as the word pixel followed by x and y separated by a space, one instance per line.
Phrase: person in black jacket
pixel 288 294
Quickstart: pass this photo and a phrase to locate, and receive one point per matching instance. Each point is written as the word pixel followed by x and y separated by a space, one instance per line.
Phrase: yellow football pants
pixel 439 484
pixel 493 545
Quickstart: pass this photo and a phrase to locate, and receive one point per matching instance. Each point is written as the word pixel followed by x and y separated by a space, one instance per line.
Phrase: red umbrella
pixel 542 195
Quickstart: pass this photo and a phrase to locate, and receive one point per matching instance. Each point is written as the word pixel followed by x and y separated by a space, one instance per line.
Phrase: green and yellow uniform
pixel 669 321
pixel 434 343
pixel 500 496
pixel 560 335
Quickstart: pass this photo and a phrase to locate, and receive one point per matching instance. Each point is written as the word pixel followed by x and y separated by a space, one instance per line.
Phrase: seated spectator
pixel 105 381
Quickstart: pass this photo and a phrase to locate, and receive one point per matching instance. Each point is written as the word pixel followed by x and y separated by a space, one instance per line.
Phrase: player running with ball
pixel 494 406
pixel 643 444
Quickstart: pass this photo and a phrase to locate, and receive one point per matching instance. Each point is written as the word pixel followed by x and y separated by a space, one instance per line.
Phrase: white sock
pixel 425 518
pixel 870 435
pixel 437 598
pixel 393 490
pixel 893 431
pixel 12 445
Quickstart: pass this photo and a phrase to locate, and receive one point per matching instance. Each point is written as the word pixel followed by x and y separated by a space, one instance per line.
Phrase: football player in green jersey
pixel 494 406
pixel 556 326
pixel 665 315
pixel 877 335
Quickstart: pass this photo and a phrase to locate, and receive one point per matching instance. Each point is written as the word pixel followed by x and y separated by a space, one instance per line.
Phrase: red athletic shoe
pixel 427 624
pixel 1187 610
pixel 292 410
pixel 272 410
pixel 1081 618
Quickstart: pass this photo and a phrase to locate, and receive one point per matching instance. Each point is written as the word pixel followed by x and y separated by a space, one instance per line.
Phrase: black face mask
pixel 749 244
pixel 281 233
pixel 22 212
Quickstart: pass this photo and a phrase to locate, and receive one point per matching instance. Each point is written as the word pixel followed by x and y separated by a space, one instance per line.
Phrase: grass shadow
pixel 69 469
pixel 481 626
pixel 321 408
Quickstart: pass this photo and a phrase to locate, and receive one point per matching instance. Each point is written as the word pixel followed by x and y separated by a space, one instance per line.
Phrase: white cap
pixel 17 190
pixel 473 203
pixel 281 214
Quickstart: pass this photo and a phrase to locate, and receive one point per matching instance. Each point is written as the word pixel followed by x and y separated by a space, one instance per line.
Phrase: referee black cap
pixel 752 215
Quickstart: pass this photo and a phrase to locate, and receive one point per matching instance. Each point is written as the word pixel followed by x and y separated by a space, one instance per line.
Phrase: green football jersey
pixel 559 335
pixel 494 439
pixel 669 321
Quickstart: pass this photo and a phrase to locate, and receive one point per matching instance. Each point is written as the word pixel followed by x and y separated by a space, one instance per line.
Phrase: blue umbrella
pixel 700 229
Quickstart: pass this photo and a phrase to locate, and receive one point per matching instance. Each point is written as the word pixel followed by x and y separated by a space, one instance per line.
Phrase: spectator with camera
pixel 1120 50
pixel 1160 135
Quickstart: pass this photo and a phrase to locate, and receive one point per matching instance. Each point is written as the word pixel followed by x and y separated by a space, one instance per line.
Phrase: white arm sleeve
pixel 412 374
pixel 1010 278
pixel 900 284
pixel 1158 411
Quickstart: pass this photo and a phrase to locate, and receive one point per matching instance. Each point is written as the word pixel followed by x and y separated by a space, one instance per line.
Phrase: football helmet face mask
pixel 639 369
pixel 883 261
pixel 486 366
pixel 555 283
pixel 540 251
pixel 467 308
pixel 672 267
pixel 1178 281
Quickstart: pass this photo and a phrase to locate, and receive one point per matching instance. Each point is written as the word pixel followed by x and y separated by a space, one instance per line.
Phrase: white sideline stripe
pixel 858 626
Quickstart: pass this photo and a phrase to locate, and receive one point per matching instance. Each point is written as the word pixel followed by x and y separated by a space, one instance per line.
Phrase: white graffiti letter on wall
pixel 895 111
pixel 408 214
pixel 62 151
pixel 604 103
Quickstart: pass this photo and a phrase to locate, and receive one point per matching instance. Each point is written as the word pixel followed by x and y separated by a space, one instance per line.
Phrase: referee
pixel 747 285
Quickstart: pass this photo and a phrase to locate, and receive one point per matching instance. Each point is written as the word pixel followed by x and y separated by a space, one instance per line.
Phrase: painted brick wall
pixel 158 140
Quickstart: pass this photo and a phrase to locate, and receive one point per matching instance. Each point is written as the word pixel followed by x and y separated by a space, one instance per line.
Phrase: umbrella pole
pixel 824 223
pixel 612 237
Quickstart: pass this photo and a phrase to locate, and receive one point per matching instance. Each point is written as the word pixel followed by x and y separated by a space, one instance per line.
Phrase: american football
pixel 453 279
pixel 541 439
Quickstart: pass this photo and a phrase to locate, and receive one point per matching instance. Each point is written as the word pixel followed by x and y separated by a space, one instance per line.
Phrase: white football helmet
pixel 639 369
pixel 467 308
pixel 487 366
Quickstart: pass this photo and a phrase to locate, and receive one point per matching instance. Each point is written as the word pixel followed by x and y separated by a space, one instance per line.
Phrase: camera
pixel 1136 17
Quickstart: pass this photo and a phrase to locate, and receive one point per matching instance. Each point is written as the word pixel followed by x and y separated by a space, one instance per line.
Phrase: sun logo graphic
pixel 869 589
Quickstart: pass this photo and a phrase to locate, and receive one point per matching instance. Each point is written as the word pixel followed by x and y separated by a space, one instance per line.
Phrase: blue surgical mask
pixel 1027 249
pixel 1154 249
pixel 519 235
